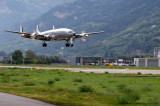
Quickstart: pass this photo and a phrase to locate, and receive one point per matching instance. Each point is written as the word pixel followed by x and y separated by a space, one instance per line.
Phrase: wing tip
pixel 7 31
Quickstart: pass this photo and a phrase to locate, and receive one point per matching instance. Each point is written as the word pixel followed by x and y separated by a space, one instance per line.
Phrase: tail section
pixel 37 30
pixel 21 29
pixel 54 27
pixel 23 34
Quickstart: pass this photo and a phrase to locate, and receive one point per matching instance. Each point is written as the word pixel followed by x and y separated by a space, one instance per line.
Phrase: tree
pixel 28 60
pixel 2 53
pixel 57 59
pixel 30 54
pixel 42 59
pixel 17 57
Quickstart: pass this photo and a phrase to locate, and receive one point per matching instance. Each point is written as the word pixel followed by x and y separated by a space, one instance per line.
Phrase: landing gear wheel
pixel 71 45
pixel 44 44
pixel 67 45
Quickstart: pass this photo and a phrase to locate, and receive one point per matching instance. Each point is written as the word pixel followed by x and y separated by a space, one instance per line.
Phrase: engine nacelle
pixel 27 36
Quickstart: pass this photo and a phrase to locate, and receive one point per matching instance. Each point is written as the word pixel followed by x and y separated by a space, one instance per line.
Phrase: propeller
pixel 83 39
pixel 33 34
pixel 84 36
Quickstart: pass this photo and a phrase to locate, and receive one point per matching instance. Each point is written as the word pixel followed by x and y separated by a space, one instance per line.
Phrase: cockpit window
pixel 70 31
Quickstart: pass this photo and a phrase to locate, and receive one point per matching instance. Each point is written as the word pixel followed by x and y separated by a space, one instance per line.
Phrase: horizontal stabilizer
pixel 37 29
pixel 17 32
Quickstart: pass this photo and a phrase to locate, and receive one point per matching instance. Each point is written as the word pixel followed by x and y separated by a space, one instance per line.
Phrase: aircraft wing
pixel 94 33
pixel 87 34
pixel 18 32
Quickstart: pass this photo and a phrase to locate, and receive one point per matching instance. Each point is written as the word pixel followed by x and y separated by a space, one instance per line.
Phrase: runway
pixel 88 70
pixel 13 100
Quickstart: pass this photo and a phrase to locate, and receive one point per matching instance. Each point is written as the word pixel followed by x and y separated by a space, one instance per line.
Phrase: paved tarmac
pixel 123 71
pixel 13 100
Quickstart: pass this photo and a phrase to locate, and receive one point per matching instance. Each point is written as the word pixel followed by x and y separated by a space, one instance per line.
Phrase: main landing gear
pixel 69 45
pixel 44 44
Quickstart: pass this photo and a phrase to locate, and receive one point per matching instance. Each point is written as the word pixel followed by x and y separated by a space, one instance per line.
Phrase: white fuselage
pixel 55 34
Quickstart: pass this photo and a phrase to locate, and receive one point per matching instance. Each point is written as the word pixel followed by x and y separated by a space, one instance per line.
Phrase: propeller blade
pixel 83 39
pixel 86 35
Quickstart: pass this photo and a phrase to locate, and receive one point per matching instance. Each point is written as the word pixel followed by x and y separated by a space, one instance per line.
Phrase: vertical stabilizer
pixel 37 30
pixel 21 28
pixel 53 27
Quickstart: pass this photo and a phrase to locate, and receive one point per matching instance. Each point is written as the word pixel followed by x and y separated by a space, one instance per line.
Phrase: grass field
pixel 89 66
pixel 69 88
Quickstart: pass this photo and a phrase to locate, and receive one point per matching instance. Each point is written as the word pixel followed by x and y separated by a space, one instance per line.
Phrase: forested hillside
pixel 18 11
pixel 131 27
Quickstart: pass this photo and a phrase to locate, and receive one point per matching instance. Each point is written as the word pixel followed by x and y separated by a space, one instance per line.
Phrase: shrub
pixel 128 98
pixel 139 73
pixel 26 75
pixel 147 88
pixel 106 72
pixel 57 79
pixel 15 79
pixel 59 72
pixel 81 72
pixel 128 95
pixel 85 88
pixel 78 80
pixel 111 81
pixel 5 79
pixel 103 86
pixel 30 83
pixel 50 82
pixel 9 74
pixel 2 73
pixel 60 89
pixel 121 87
pixel 122 100
pixel 87 74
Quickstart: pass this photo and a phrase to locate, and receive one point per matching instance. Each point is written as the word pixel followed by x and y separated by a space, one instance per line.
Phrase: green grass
pixel 70 88
pixel 93 67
